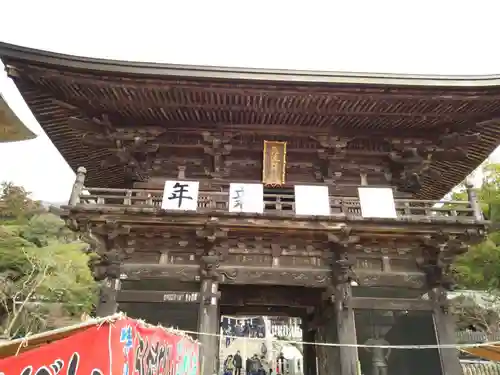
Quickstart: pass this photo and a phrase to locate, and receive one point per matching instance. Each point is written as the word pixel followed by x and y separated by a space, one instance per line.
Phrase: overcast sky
pixel 422 37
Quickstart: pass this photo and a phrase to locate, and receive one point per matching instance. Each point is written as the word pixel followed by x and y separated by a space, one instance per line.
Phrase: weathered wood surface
pixel 208 323
pixel 308 277
pixel 309 350
pixel 346 330
pixel 159 222
pixel 167 222
pixel 328 356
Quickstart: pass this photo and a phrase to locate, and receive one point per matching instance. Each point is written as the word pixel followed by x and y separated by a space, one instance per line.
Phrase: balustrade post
pixel 364 179
pixel 77 186
pixel 473 201
pixel 127 201
pixel 181 172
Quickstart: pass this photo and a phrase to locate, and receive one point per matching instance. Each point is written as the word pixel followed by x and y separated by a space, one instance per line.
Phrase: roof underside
pixel 191 99
pixel 12 129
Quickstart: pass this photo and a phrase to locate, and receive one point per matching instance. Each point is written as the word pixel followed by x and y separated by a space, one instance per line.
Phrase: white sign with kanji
pixel 377 202
pixel 246 198
pixel 312 200
pixel 180 195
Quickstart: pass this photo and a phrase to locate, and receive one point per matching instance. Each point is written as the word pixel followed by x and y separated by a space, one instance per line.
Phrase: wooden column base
pixel 346 330
pixel 445 334
pixel 309 362
pixel 208 323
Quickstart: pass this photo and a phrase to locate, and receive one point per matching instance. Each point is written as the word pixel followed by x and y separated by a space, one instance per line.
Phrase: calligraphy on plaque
pixel 180 195
pixel 246 198
pixel 274 163
pixel 312 200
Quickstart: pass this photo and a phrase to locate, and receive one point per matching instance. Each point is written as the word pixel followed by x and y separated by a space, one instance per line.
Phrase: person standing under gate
pixel 229 365
pixel 238 363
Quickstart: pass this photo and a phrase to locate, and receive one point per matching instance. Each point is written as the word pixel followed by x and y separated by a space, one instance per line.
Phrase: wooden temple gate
pixel 215 262
pixel 352 279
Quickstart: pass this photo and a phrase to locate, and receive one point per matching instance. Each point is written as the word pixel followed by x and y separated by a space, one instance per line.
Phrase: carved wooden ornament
pixel 274 163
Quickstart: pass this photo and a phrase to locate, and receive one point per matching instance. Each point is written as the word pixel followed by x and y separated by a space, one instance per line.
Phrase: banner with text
pixel 123 347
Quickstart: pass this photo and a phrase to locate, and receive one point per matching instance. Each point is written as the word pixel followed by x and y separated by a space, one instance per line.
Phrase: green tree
pixel 43 228
pixel 16 205
pixel 479 268
pixel 44 276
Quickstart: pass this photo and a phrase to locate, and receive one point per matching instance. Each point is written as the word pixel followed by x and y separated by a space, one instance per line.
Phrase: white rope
pixel 332 344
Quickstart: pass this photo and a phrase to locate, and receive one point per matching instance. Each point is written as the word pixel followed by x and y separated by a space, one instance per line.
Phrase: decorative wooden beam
pixel 138 215
pixel 232 298
pixel 154 296
pixel 269 296
pixel 307 277
pixel 106 131
pixel 217 147
pixel 369 303
pixel 111 229
pixel 264 310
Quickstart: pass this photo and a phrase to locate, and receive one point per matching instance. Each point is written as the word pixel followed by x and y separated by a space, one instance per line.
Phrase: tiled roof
pixel 11 127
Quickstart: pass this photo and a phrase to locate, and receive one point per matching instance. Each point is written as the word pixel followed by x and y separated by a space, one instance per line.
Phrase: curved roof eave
pixel 64 61
pixel 12 129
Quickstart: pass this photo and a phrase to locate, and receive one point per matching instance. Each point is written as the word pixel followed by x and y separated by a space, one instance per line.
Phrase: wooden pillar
pixel 346 329
pixel 445 333
pixel 309 356
pixel 208 320
pixel 341 291
pixel 108 292
pixel 77 186
pixel 106 270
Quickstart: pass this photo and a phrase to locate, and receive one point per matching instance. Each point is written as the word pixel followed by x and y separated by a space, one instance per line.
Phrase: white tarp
pixel 312 200
pixel 377 202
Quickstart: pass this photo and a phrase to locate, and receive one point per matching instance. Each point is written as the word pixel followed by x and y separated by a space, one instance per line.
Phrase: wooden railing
pixel 273 203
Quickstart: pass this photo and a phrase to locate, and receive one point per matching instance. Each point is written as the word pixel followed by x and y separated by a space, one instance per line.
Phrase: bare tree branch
pixel 18 311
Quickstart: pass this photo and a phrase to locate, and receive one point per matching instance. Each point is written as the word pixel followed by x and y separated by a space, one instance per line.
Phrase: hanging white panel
pixel 377 202
pixel 180 195
pixel 312 200
pixel 246 198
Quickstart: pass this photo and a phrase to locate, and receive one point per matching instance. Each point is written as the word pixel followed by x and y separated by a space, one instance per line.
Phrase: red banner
pixel 124 347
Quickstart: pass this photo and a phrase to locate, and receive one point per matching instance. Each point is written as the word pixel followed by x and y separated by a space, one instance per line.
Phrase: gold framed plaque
pixel 274 163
